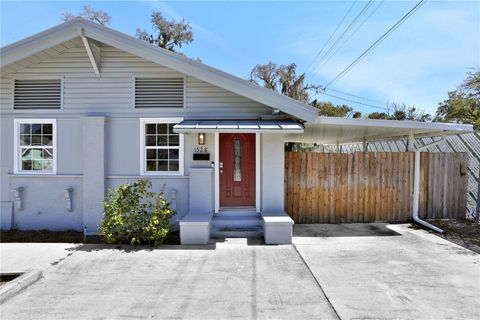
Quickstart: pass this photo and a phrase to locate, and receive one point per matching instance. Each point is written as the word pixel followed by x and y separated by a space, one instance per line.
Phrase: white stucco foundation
pixel 277 228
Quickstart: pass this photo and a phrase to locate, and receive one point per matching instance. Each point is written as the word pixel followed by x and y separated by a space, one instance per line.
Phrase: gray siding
pixel 111 95
pixel 113 92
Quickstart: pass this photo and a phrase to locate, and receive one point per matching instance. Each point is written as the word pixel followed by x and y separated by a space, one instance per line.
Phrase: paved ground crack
pixel 56 262
pixel 316 280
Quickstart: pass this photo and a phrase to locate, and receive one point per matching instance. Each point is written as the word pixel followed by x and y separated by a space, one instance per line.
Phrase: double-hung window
pixel 161 148
pixel 35 146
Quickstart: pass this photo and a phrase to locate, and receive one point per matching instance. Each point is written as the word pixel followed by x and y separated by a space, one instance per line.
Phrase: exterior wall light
pixel 201 139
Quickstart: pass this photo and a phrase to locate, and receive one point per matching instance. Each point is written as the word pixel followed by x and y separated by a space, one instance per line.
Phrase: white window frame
pixel 17 166
pixel 143 149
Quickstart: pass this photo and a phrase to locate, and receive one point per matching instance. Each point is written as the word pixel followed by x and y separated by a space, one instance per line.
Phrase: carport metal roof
pixel 251 126
pixel 331 130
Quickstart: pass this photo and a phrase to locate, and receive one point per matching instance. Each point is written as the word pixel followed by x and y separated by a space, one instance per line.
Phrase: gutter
pixel 416 186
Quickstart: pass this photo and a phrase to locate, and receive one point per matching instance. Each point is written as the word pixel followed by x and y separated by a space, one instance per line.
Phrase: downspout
pixel 416 186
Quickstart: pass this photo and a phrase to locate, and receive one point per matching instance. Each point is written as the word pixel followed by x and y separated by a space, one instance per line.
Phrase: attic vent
pixel 158 92
pixel 38 94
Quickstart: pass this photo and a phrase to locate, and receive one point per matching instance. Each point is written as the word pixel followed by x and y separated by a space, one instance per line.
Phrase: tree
pixel 98 16
pixel 378 115
pixel 170 34
pixel 328 109
pixel 397 111
pixel 463 104
pixel 282 79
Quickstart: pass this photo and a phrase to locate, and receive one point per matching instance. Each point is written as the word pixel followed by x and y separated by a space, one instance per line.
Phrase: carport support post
pixel 93 171
pixel 411 141
pixel 477 213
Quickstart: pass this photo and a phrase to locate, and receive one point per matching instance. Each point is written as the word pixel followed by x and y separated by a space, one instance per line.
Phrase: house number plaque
pixel 201 154
pixel 200 150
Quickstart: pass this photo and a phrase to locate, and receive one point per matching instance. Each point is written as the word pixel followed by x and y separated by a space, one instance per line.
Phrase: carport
pixel 333 188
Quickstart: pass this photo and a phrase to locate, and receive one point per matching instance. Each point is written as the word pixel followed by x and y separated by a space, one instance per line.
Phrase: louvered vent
pixel 37 94
pixel 158 93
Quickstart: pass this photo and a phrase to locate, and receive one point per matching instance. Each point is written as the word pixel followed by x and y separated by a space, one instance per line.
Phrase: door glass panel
pixel 237 163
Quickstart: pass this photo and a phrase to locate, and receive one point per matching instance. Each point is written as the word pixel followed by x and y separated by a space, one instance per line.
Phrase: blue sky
pixel 418 64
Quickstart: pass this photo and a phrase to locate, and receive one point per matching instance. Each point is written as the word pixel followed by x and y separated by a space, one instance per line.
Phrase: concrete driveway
pixel 232 279
pixel 330 272
pixel 377 271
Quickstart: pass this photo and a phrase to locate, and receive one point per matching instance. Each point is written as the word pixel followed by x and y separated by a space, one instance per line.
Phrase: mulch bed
pixel 465 233
pixel 46 236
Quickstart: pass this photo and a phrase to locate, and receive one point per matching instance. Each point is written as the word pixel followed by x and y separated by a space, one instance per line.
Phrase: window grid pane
pixel 36 159
pixel 35 146
pixel 162 148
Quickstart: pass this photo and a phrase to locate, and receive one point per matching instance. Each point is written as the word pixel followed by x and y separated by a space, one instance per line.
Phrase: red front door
pixel 237 169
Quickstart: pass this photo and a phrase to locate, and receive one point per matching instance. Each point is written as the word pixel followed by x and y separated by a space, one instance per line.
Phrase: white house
pixel 85 108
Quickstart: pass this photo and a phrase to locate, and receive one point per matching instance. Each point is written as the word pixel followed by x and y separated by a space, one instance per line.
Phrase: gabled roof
pixel 81 27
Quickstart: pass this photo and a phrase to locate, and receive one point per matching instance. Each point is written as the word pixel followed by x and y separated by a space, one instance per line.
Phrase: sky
pixel 424 58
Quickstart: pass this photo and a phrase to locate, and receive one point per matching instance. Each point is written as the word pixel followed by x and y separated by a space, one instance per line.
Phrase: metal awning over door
pixel 247 126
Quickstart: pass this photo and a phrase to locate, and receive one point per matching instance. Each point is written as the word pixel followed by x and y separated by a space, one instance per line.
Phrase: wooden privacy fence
pixel 373 186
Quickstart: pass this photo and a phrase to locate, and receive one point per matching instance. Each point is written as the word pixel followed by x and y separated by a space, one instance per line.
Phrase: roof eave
pixel 434 126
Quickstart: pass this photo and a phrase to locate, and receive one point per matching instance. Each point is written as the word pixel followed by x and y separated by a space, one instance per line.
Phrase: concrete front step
pixel 245 232
pixel 237 221
pixel 237 213
pixel 237 225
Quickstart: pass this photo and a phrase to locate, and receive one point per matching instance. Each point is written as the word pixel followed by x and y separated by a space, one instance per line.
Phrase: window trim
pixel 143 155
pixel 17 167
pixel 150 76
pixel 35 110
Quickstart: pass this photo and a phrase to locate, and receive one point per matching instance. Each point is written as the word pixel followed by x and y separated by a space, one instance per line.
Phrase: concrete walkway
pixel 227 280
pixel 377 271
pixel 21 257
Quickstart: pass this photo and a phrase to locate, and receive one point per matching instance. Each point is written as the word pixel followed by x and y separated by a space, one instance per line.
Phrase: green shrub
pixel 134 214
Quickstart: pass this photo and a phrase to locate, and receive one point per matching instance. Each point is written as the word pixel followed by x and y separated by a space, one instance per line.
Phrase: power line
pixel 387 109
pixel 351 35
pixel 355 96
pixel 379 40
pixel 354 21
pixel 331 36
pixel 352 101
